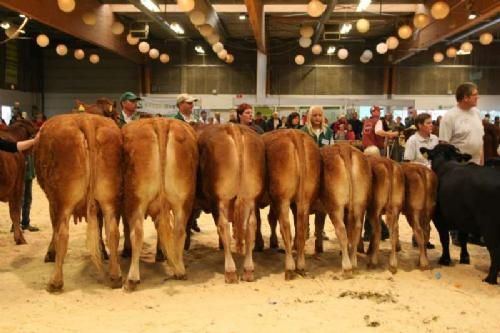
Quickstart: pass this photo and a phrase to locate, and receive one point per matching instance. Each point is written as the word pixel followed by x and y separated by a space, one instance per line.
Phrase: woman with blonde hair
pixel 317 128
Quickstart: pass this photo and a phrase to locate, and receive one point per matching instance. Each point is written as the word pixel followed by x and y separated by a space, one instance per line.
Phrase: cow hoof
pixel 318 249
pixel 55 287
pixel 130 285
pixel 181 277
pixel 115 283
pixel 301 272
pixel 347 274
pixel 21 241
pixel 126 253
pixel 465 260
pixel 258 248
pixel 231 277
pixel 491 279
pixel 50 257
pixel 445 261
pixel 248 276
pixel 159 257
pixel 289 275
pixel 393 269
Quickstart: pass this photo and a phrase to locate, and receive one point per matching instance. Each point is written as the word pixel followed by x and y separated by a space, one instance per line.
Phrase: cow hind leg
pixel 286 234
pixel 136 240
pixel 259 240
pixel 319 226
pixel 50 256
pixel 494 250
pixel 302 218
pixel 225 236
pixel 15 216
pixel 127 244
pixel 273 223
pixel 373 248
pixel 392 222
pixel 113 238
pixel 181 216
pixel 464 254
pixel 415 221
pixel 251 223
pixel 355 223
pixel 337 217
pixel 56 282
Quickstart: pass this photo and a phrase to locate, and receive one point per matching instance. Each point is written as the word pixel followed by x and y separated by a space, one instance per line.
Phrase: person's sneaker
pixel 31 228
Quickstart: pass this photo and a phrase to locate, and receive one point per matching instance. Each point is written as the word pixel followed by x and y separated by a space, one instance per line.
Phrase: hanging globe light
pixel 94 58
pixel 342 54
pixel 440 10
pixel 197 17
pixel 144 47
pixel 438 57
pixel 230 59
pixel 363 25
pixel 466 47
pixel 213 39
pixel 451 52
pixel 154 53
pixel 381 48
pixel 117 28
pixel 421 18
pixel 486 38
pixel 315 8
pixel 206 30
pixel 89 18
pixel 131 39
pixel 299 59
pixel 305 42
pixel 66 6
pixel 392 43
pixel 217 47
pixel 42 40
pixel 79 54
pixel 61 50
pixel 164 58
pixel 405 31
pixel 306 31
pixel 222 54
pixel 186 5
pixel 316 49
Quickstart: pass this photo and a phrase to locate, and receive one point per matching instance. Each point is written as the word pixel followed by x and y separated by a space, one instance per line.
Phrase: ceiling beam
pixel 256 16
pixel 48 13
pixel 439 30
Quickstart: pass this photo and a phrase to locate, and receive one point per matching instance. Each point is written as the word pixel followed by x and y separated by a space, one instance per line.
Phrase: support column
pixel 261 77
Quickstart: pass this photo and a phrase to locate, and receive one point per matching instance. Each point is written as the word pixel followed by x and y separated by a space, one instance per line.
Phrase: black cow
pixel 468 198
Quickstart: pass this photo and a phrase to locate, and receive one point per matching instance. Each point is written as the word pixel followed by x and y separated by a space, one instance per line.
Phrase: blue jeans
pixel 26 202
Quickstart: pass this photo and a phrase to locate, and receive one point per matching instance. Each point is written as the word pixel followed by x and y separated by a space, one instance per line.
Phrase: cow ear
pixel 465 157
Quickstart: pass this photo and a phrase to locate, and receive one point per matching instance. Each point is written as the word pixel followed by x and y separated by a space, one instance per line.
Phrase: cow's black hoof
pixel 491 279
pixel 445 261
pixel 465 260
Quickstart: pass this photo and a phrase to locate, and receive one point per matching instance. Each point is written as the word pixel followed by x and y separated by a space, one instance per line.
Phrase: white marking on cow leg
pixel 225 236
pixel 337 218
pixel 415 222
pixel 112 240
pixel 300 234
pixel 392 223
pixel 136 237
pixel 287 238
pixel 56 282
pixel 251 227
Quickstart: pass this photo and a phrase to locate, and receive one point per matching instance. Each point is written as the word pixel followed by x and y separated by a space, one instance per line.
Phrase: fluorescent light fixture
pixel 472 15
pixel 363 5
pixel 176 27
pixel 345 28
pixel 5 25
pixel 199 49
pixel 330 50
pixel 242 17
pixel 461 52
pixel 149 4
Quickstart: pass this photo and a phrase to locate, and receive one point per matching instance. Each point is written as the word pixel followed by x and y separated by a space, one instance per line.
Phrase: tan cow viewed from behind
pixel 232 171
pixel 161 161
pixel 293 175
pixel 78 163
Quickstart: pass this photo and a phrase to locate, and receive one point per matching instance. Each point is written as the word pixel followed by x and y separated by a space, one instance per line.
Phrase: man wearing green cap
pixel 128 102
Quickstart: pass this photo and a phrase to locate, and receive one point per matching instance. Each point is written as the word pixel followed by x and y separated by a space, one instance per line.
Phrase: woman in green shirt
pixel 317 128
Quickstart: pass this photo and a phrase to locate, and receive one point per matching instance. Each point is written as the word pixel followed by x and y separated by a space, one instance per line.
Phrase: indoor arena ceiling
pixel 268 24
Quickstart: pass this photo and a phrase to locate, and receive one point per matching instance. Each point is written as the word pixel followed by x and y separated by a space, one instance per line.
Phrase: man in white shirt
pixel 422 138
pixel 461 126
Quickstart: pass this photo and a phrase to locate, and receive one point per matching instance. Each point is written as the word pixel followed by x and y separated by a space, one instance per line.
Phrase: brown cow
pixel 78 164
pixel 12 169
pixel 344 193
pixel 232 171
pixel 387 197
pixel 420 202
pixel 293 174
pixel 103 107
pixel 161 160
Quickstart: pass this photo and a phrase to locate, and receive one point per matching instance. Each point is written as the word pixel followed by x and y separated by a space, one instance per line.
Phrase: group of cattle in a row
pixel 161 167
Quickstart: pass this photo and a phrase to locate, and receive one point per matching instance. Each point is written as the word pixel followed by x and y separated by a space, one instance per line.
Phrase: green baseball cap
pixel 129 96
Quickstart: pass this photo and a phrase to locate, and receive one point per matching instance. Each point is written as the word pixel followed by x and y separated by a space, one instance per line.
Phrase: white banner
pixel 166 106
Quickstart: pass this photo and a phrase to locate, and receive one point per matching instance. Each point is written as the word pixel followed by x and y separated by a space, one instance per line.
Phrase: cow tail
pixel 93 232
pixel 239 216
pixel 346 154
